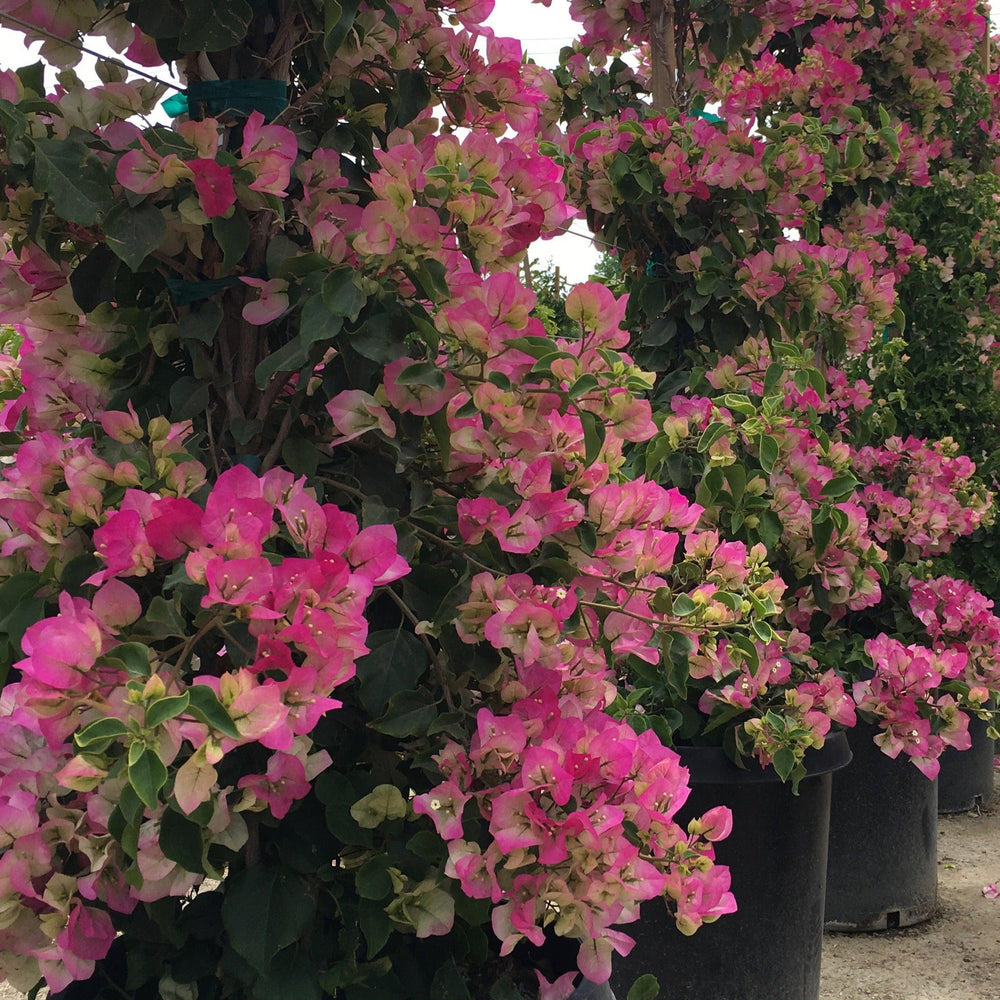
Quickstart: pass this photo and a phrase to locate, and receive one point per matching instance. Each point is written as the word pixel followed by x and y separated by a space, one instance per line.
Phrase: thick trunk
pixel 662 53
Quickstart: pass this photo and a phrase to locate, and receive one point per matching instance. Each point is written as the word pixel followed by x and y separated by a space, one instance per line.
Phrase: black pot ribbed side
pixel 882 868
pixel 771 948
pixel 966 778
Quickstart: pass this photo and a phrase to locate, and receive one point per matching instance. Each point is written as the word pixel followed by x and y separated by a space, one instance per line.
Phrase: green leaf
pixel 266 909
pixel 291 976
pixel 711 434
pixel 593 435
pixel 93 279
pixel 157 19
pixel 822 531
pixel 76 182
pixel 375 925
pixel 646 987
pixel 33 77
pixel 300 455
pixel 189 397
pixel 372 879
pixel 422 373
pixel 448 982
pixel 854 153
pixel 147 775
pixel 163 619
pixel 535 347
pixel 167 708
pixel 288 358
pixel 338 18
pixel 769 528
pixel 890 136
pixel 379 338
pixel 103 731
pixel 211 27
pixel 382 804
pixel 409 714
pixel 181 841
pixel 233 236
pixel 13 123
pixel 396 662
pixel 481 186
pixel 207 708
pixel 584 384
pixel 840 486
pixel 341 295
pixel 414 95
pixel 134 233
pixel 683 606
pixel 131 806
pixel 203 322
pixel 768 452
pixel 432 278
pixel 784 763
pixel 317 323
pixel 17 588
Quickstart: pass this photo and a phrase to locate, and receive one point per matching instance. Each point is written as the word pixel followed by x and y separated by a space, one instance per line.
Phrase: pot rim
pixel 711 766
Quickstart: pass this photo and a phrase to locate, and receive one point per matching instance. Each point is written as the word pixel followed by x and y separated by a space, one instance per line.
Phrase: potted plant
pixel 699 208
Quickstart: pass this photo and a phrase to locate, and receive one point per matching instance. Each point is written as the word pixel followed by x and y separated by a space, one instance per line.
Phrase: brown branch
pixel 303 100
pixel 279 439
pixel 662 53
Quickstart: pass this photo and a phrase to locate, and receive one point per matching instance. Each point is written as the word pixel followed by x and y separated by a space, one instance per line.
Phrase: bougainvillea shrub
pixel 348 612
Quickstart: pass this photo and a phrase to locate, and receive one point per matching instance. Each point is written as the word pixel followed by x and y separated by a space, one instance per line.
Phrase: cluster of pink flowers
pixel 440 198
pixel 556 781
pixel 63 373
pixel 922 46
pixel 480 77
pixel 921 493
pixel 267 155
pixel 834 537
pixel 306 618
pixel 698 160
pixel 844 565
pixel 904 693
pixel 956 616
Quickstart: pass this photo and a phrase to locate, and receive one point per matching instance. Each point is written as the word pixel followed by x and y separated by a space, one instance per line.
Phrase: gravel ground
pixel 955 956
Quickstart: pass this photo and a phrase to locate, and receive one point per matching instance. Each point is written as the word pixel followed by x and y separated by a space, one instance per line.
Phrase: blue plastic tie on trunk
pixel 242 97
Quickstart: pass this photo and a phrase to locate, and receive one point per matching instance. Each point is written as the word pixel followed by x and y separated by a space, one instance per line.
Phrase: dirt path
pixel 955 956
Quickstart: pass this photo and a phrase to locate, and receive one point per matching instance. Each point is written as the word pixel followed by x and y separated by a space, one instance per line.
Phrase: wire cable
pixel 90 52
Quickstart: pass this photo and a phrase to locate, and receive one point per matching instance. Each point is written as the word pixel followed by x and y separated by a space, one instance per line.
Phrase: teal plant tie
pixel 707 116
pixel 176 105
pixel 252 462
pixel 184 292
pixel 269 97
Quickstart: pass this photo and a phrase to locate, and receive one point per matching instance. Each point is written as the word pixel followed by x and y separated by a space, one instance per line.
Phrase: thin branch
pixel 279 439
pixel 302 101
pixel 6 16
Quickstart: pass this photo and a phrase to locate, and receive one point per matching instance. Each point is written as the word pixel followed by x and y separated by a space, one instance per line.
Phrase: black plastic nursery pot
pixel 770 949
pixel 882 868
pixel 966 778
